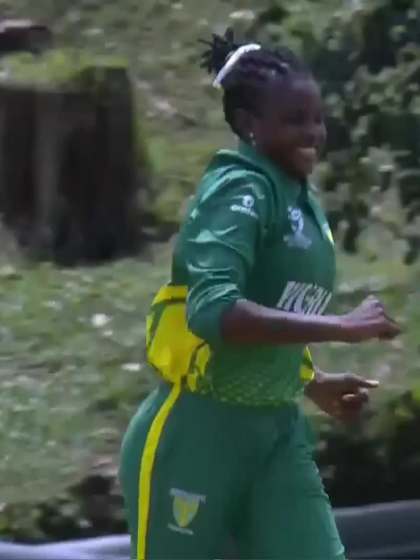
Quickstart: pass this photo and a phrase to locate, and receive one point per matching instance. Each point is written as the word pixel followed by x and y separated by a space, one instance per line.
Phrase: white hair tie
pixel 232 60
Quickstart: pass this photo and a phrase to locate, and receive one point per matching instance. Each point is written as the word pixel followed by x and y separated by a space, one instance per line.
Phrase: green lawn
pixel 71 367
pixel 72 358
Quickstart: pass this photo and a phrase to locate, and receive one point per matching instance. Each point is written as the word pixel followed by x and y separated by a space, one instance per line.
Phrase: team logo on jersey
pixel 185 507
pixel 296 239
pixel 246 206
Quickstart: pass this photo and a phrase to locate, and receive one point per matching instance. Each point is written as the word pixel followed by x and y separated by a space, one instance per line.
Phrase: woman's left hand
pixel 341 395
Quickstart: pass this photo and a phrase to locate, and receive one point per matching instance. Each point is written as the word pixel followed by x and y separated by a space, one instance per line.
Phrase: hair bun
pixel 219 48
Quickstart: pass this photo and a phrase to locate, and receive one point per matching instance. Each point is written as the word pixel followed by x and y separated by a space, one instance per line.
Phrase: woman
pixel 221 447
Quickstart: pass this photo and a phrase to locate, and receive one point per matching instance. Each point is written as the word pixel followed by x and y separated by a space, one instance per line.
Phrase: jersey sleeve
pixel 223 234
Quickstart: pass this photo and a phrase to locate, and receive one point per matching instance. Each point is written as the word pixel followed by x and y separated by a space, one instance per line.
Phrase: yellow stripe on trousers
pixel 146 468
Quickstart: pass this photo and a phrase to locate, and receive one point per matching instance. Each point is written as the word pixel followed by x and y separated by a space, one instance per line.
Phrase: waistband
pixel 230 407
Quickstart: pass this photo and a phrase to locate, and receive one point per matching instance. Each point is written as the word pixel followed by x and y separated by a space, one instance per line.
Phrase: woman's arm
pixel 220 252
pixel 248 323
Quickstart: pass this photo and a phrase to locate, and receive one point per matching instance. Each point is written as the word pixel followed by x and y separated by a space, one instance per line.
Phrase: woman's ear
pixel 245 125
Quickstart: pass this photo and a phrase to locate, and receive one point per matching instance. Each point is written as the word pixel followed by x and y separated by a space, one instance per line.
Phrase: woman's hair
pixel 244 84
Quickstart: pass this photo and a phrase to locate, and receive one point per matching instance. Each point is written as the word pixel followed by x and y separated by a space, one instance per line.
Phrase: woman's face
pixel 290 129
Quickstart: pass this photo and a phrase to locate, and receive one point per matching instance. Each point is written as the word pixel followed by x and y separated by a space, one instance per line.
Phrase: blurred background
pixel 106 123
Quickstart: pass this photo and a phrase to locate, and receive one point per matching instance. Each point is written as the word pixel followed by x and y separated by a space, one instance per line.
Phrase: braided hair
pixel 244 85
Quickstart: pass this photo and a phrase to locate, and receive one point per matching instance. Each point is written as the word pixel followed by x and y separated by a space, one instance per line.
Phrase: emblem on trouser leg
pixel 185 507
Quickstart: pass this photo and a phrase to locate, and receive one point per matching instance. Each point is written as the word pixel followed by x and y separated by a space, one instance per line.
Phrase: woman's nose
pixel 313 134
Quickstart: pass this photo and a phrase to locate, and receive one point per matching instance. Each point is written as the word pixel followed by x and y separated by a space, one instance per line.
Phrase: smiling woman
pixel 260 100
pixel 221 449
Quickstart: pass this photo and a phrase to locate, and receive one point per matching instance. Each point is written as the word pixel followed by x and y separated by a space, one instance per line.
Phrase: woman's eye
pixel 300 119
pixel 296 118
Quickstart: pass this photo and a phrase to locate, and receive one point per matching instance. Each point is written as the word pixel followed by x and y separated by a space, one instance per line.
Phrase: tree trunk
pixel 69 181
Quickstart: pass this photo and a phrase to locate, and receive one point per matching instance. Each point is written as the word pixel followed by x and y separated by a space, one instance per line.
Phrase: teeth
pixel 308 152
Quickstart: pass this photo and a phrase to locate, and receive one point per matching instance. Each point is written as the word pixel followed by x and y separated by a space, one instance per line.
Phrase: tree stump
pixel 69 177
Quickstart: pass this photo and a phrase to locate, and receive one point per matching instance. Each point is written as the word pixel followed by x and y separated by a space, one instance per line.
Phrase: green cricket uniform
pixel 221 447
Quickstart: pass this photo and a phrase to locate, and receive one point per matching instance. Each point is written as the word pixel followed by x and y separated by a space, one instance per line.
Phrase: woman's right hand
pixel 367 321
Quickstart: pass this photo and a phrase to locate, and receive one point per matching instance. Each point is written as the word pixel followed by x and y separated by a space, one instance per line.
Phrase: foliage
pixel 60 68
pixel 367 62
pixel 376 460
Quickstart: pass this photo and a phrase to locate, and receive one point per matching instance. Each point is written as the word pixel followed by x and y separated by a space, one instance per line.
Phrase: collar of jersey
pixel 295 189
pixel 278 176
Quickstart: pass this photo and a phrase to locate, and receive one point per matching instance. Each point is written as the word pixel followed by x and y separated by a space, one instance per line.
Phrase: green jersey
pixel 251 233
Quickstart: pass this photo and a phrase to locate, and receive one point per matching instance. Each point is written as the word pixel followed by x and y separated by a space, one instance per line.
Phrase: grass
pixel 71 367
pixel 72 359
pixel 71 341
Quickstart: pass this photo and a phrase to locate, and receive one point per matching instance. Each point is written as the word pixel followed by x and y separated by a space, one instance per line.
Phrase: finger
pixel 379 305
pixel 355 399
pixel 366 302
pixel 353 382
pixel 368 383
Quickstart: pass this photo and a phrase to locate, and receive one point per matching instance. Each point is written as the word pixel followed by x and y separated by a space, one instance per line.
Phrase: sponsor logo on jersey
pixel 246 206
pixel 308 299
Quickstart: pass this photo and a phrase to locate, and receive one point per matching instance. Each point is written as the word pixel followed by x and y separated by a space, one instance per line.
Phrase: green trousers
pixel 196 472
